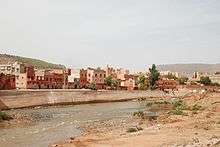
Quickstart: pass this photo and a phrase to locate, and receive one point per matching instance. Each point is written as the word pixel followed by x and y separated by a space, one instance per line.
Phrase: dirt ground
pixel 193 129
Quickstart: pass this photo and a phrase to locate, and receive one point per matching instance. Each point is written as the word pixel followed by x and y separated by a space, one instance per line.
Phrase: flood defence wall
pixel 29 98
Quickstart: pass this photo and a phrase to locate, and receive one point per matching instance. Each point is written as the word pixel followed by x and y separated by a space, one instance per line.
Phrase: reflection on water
pixel 58 123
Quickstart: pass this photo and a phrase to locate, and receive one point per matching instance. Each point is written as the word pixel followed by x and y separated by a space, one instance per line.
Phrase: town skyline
pixel 132 70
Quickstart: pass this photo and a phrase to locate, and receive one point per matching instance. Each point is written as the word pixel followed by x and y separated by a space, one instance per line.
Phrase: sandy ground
pixel 193 129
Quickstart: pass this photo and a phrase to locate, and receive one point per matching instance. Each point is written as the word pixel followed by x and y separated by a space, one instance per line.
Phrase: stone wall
pixel 31 98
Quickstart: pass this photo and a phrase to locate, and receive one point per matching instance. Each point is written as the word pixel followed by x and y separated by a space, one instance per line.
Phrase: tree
pixel 113 83
pixel 154 76
pixel 92 86
pixel 183 80
pixel 142 82
pixel 205 80
pixel 108 81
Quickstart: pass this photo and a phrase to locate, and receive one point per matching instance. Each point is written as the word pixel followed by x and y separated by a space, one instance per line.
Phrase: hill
pixel 40 64
pixel 190 68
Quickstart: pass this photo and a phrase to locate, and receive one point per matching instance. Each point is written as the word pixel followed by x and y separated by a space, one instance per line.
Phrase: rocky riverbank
pixel 195 124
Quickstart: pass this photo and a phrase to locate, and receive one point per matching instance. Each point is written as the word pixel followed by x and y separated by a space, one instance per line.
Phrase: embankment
pixel 30 98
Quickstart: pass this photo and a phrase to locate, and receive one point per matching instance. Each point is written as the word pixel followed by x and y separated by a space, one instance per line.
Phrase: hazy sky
pixel 129 33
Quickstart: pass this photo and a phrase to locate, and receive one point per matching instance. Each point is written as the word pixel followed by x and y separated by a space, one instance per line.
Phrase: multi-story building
pixel 121 73
pixel 12 68
pixel 129 82
pixel 83 78
pixel 91 75
pixel 7 82
pixel 74 79
pixel 51 79
pixel 166 73
pixel 22 73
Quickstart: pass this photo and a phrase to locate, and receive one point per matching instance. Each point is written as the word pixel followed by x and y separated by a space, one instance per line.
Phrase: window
pixel 95 75
pixel 100 75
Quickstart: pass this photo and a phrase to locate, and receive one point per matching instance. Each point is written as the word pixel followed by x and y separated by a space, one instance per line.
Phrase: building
pixel 24 75
pixel 121 73
pixel 91 75
pixel 17 69
pixel 7 82
pixel 83 78
pixel 166 73
pixel 13 68
pixel 74 79
pixel 51 79
pixel 128 82
pixel 215 78
pixel 96 76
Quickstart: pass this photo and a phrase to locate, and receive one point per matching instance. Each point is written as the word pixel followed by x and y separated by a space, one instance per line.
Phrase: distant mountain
pixel 190 68
pixel 40 64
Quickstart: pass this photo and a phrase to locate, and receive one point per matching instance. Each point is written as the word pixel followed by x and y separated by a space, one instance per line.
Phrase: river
pixel 53 124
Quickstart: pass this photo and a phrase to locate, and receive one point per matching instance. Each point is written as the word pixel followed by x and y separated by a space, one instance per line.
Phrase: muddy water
pixel 53 124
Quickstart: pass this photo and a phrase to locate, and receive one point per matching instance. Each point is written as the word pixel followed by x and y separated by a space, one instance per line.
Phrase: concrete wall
pixel 30 98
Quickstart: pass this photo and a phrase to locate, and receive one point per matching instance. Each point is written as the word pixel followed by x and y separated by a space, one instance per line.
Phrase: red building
pixel 7 82
pixel 51 79
pixel 83 78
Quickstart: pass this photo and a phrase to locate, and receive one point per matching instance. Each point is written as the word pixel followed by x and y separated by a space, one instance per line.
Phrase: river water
pixel 53 124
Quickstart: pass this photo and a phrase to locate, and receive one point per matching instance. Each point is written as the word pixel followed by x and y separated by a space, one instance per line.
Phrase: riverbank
pixel 31 98
pixel 199 126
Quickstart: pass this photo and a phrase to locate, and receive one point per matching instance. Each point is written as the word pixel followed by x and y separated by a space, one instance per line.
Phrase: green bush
pixel 196 107
pixel 179 104
pixel 183 80
pixel 178 107
pixel 177 111
pixel 205 80
pixel 134 129
pixel 131 130
pixel 139 114
pixel 4 116
pixel 92 86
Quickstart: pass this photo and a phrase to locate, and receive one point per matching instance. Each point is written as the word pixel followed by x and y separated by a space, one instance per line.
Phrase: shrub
pixel 176 111
pixel 178 107
pixel 149 104
pixel 183 80
pixel 131 130
pixel 205 80
pixel 178 104
pixel 134 129
pixel 92 86
pixel 196 107
pixel 4 116
pixel 139 114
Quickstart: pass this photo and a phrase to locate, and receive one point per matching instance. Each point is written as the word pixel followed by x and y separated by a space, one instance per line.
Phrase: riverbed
pixel 53 124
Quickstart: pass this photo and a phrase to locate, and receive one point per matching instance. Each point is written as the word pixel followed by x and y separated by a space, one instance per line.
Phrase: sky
pixel 122 33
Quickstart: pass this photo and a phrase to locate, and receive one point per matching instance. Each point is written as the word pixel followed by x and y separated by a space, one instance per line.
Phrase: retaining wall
pixel 31 98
